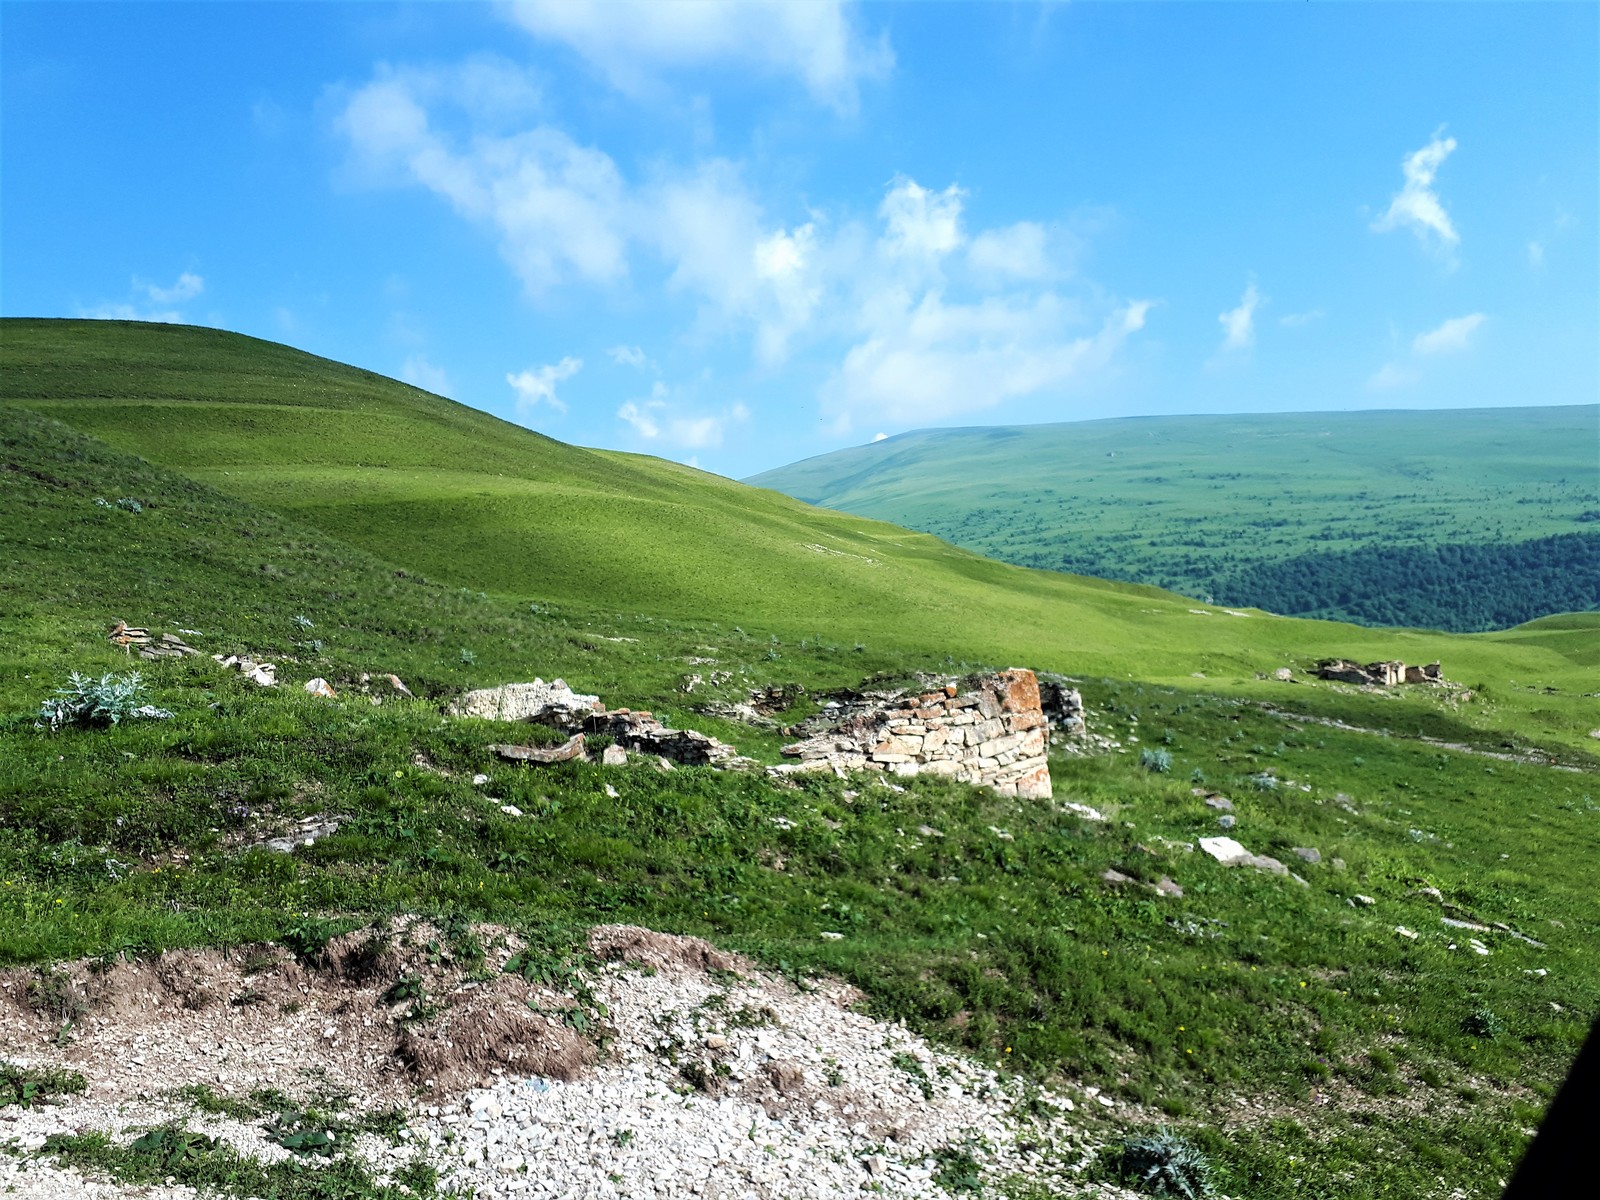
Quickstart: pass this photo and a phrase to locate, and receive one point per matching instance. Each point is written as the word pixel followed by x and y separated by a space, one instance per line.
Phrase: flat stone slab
pixel 569 750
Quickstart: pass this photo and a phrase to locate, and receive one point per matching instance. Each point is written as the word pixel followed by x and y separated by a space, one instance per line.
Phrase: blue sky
pixel 741 233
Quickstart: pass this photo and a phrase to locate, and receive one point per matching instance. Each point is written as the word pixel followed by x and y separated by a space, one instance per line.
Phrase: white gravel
pixel 713 1085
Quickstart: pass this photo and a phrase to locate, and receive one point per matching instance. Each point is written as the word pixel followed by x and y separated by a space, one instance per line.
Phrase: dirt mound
pixel 646 948
pixel 378 1013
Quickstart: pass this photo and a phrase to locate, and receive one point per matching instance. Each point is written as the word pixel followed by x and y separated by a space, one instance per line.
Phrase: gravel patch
pixel 714 1080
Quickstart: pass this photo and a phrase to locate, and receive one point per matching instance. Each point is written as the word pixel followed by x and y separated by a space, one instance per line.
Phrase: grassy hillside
pixel 1304 1044
pixel 1262 510
pixel 470 500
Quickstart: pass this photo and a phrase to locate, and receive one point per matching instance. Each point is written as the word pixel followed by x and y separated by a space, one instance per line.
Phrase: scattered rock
pixel 480 779
pixel 511 810
pixel 1166 887
pixel 569 750
pixel 1378 674
pixel 1360 901
pixel 1115 878
pixel 1227 820
pixel 320 687
pixel 1283 675
pixel 1215 800
pixel 1084 811
pixel 259 673
pixel 1406 933
pixel 1308 854
pixel 642 732
pixel 168 645
pixel 1224 849
pixel 614 756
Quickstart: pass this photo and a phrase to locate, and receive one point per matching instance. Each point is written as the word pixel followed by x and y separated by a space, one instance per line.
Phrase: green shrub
pixel 1164 1164
pixel 1157 761
pixel 109 700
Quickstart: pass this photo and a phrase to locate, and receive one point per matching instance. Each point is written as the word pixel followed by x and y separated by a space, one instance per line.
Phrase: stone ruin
pixel 557 705
pixel 1378 674
pixel 168 645
pixel 988 731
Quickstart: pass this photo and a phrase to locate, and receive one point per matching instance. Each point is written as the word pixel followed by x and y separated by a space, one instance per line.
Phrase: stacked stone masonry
pixel 989 731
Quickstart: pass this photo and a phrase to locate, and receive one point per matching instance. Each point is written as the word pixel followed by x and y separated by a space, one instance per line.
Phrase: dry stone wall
pixel 989 730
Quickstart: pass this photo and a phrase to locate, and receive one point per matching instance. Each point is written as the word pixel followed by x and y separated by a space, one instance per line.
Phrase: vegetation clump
pixel 97 703
pixel 1165 1164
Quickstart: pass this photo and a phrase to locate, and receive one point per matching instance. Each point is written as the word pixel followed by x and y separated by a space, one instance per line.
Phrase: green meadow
pixel 336 522
pixel 1355 516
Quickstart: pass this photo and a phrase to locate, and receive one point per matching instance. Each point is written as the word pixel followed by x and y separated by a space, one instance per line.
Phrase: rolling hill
pixel 467 499
pixel 1465 520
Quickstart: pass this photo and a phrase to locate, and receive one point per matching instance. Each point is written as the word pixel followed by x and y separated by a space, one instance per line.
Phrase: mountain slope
pixel 1248 509
pixel 436 487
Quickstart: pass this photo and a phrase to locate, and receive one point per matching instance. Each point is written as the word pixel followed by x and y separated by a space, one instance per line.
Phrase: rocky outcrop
pixel 552 703
pixel 1378 674
pixel 1063 708
pixel 989 731
pixel 642 732
pixel 557 705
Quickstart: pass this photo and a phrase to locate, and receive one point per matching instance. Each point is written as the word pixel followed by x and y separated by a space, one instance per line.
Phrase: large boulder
pixel 552 703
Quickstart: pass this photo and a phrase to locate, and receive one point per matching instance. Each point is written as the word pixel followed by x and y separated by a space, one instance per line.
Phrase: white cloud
pixel 1392 375
pixel 1299 319
pixel 880 437
pixel 921 224
pixel 557 207
pixel 1416 205
pixel 1536 254
pixel 188 286
pixel 1239 324
pixel 930 360
pixel 1455 334
pixel 628 356
pixel 629 41
pixel 419 372
pixel 538 384
pixel 659 418
pixel 1019 251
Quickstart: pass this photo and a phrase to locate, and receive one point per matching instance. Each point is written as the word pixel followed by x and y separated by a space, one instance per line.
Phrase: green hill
pixel 1441 519
pixel 470 500
pixel 232 491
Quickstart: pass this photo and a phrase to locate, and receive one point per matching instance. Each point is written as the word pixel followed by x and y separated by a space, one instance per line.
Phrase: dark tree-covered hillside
pixel 1460 588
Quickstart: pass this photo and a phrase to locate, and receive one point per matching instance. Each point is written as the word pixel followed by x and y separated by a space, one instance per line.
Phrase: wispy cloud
pixel 557 207
pixel 186 287
pixel 1536 254
pixel 1449 337
pixel 419 372
pixel 1239 324
pixel 631 42
pixel 1300 319
pixel 661 418
pixel 1416 206
pixel 1391 376
pixel 628 356
pixel 1453 335
pixel 537 385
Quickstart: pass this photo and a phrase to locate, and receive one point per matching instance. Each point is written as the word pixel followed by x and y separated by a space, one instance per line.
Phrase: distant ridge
pixel 1292 512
